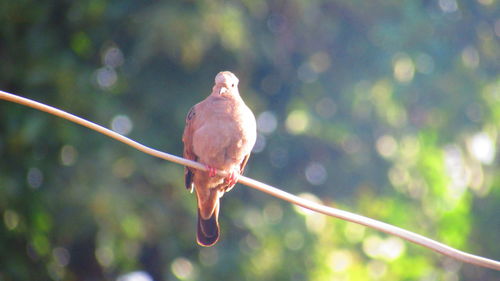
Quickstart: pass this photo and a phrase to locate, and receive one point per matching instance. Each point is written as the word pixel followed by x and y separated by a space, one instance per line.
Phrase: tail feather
pixel 208 230
pixel 188 179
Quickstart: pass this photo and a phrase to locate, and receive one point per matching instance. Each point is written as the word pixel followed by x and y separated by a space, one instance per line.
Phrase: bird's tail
pixel 208 230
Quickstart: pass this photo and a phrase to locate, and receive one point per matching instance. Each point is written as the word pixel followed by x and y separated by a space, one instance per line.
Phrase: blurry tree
pixel 390 109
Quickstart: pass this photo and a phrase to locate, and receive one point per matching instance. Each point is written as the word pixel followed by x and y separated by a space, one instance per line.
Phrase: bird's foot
pixel 232 178
pixel 212 172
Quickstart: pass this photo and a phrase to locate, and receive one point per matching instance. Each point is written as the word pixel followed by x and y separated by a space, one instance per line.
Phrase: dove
pixel 220 133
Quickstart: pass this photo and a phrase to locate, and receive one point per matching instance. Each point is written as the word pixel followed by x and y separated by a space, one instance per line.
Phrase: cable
pixel 329 211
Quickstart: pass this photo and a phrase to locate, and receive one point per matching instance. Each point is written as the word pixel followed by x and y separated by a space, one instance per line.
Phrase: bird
pixel 220 133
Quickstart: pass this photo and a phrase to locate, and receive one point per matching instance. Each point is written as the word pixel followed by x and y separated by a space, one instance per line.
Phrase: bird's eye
pixel 232 85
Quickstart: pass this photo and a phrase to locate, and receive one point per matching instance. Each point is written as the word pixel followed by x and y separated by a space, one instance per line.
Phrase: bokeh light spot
pixel 56 272
pixel 10 219
pixel 310 197
pixel 457 171
pixel 266 122
pixel 132 226
pixel 398 176
pixel 404 69
pixel 377 268
pixel 273 213
pixel 123 167
pixel 470 57
pixel 448 6
pixel 112 57
pixel 351 144
pixel 253 219
pixel 182 268
pixel 135 276
pixel 41 244
pixel 121 124
pixel 354 232
pixel 106 77
pixel 316 173
pixel 371 246
pixel 68 155
pixel 387 146
pixel 297 121
pixel 320 62
pixel 35 177
pixel 486 2
pixel 410 147
pixel 61 256
pixel 393 248
pixel 340 260
pixel 385 249
pixel 315 222
pixel 105 255
pixel 81 43
pixel 482 147
pixel 249 244
pixel 382 90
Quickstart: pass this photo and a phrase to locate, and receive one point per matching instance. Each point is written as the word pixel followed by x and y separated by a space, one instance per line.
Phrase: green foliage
pixel 390 109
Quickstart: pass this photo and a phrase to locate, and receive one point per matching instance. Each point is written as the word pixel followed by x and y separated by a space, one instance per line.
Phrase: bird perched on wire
pixel 220 133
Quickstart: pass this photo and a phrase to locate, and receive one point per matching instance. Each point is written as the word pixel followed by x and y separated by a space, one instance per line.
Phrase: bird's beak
pixel 222 90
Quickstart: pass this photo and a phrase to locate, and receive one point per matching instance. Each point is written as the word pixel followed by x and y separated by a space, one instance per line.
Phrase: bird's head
pixel 226 84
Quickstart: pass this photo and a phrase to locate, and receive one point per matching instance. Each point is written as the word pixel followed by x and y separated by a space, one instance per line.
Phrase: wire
pixel 329 211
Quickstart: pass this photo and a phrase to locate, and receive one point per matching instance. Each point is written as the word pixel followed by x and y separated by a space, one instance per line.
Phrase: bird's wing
pixel 187 139
pixel 244 163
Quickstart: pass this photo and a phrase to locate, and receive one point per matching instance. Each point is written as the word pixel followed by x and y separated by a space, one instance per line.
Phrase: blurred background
pixel 390 109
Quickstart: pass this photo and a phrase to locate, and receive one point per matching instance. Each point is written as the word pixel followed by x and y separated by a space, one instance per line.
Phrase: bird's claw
pixel 212 172
pixel 232 178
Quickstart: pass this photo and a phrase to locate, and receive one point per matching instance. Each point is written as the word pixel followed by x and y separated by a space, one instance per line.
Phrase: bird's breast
pixel 224 138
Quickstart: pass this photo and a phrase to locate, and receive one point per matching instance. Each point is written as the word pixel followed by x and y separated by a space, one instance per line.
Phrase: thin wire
pixel 329 211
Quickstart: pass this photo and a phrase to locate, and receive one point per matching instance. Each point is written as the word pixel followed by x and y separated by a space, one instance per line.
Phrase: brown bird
pixel 220 132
